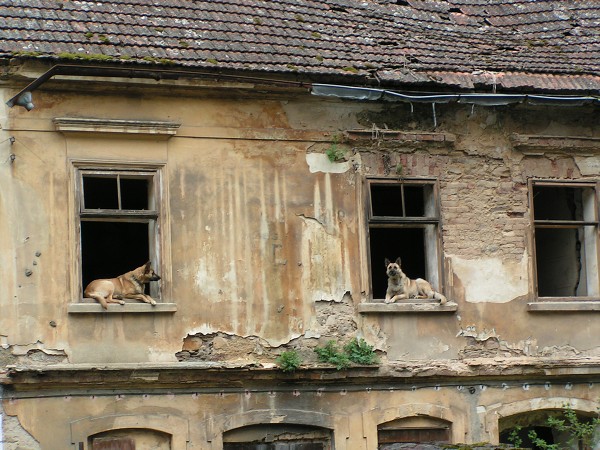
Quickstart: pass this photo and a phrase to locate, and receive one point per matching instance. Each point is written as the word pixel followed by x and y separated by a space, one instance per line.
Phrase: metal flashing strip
pixel 481 99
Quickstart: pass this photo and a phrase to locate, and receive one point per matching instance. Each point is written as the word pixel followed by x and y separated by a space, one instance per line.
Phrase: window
pixel 404 222
pixel 130 439
pixel 113 444
pixel 277 437
pixel 119 221
pixel 413 430
pixel 565 217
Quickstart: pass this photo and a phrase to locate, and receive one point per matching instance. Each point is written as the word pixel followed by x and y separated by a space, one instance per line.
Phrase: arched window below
pixel 130 439
pixel 417 430
pixel 521 430
pixel 278 437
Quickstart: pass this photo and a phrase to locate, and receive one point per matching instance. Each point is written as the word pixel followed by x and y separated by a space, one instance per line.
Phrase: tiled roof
pixel 551 45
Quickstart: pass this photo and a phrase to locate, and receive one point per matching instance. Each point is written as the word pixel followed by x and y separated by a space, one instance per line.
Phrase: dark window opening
pixel 289 445
pixel 406 243
pixel 388 438
pixel 118 223
pixel 398 201
pixel 400 433
pixel 544 433
pixel 566 240
pixel 403 222
pixel 115 192
pixel 277 437
pixel 113 444
pixel 558 203
pixel 109 249
pixel 100 193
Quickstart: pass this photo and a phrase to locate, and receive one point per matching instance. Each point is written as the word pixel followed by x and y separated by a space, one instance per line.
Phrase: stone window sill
pixel 96 308
pixel 418 306
pixel 564 305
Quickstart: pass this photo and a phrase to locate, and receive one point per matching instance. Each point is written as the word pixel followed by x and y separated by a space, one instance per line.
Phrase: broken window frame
pixel 414 430
pixel 279 435
pixel 430 222
pixel 592 274
pixel 153 216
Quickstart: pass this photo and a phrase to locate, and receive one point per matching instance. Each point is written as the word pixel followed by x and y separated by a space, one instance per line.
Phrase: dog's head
pixel 146 273
pixel 392 269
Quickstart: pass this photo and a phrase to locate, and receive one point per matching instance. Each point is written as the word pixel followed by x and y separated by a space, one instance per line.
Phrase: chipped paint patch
pixel 492 279
pixel 319 162
pixel 205 283
pixel 588 165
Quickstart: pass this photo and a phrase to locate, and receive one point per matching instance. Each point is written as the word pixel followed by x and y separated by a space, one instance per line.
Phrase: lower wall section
pixel 321 414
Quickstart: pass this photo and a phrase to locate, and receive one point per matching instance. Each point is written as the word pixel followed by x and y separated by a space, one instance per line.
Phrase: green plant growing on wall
pixel 334 152
pixel 356 351
pixel 331 354
pixel 360 352
pixel 400 170
pixel 581 432
pixel 514 437
pixel 289 361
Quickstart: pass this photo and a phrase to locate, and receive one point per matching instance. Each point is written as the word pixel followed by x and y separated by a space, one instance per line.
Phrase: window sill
pixel 86 308
pixel 564 305
pixel 422 306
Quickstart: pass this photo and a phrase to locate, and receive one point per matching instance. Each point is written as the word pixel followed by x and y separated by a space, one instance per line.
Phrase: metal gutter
pixel 483 99
pixel 24 98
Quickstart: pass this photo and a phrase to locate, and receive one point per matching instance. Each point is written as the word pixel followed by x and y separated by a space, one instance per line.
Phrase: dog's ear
pixel 147 266
pixel 398 260
pixel 387 262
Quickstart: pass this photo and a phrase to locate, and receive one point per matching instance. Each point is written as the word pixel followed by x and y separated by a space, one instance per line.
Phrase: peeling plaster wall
pixel 473 409
pixel 264 228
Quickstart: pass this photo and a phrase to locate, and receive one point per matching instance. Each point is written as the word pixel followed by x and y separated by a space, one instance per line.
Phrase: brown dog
pixel 401 287
pixel 128 285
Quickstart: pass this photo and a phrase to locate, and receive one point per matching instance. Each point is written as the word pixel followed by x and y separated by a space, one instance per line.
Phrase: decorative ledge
pixel 405 307
pixel 564 306
pixel 95 308
pixel 138 127
pixel 541 143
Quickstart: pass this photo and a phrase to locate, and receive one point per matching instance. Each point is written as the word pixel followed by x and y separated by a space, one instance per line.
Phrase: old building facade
pixel 267 198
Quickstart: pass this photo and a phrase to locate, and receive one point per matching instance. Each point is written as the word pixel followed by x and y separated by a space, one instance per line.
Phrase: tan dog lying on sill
pixel 129 286
pixel 401 287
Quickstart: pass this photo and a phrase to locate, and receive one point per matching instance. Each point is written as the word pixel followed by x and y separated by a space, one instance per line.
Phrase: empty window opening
pixel 130 439
pixel 519 427
pixel 522 434
pixel 403 222
pixel 566 240
pixel 118 223
pixel 413 430
pixel 277 437
pixel 109 249
pixel 112 443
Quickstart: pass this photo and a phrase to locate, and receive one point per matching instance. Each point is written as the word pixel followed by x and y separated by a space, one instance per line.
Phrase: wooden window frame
pixel 561 303
pixel 154 216
pixel 433 254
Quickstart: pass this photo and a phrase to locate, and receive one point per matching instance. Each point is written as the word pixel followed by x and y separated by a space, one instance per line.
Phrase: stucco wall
pixel 263 226
pixel 264 250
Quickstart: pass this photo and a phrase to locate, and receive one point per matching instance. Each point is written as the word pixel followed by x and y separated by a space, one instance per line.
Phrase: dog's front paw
pixel 389 300
pixel 153 302
pixel 121 302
